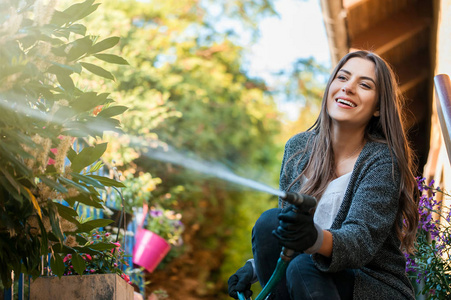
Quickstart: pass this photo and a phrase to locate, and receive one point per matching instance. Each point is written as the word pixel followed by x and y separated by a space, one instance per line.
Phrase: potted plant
pixel 97 255
pixel 163 229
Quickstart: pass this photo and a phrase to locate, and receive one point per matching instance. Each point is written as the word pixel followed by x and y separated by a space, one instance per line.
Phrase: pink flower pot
pixel 149 250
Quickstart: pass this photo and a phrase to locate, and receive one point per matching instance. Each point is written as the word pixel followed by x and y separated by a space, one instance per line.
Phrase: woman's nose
pixel 348 88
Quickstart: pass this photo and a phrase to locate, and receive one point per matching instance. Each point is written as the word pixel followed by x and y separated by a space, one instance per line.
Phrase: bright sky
pixel 299 32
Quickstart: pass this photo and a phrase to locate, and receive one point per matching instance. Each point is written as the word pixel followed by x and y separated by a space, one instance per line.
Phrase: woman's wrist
pixel 319 241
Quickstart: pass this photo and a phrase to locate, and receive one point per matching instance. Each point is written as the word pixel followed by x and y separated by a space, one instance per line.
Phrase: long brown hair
pixel 387 128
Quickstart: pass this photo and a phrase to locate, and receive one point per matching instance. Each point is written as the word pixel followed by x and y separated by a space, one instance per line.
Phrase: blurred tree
pixel 302 87
pixel 187 90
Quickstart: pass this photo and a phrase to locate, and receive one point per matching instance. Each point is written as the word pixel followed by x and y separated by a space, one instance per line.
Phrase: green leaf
pixel 58 68
pixel 54 221
pixel 65 81
pixel 105 44
pixel 71 154
pixel 88 101
pixel 111 58
pixel 66 211
pixel 77 28
pixel 88 200
pixel 93 224
pixel 102 246
pixel 88 180
pixel 57 265
pixel 96 167
pixel 79 48
pixel 97 70
pixel 112 111
pixel 107 181
pixel 11 179
pixel 82 189
pixel 79 10
pixel 79 263
pixel 53 184
pixel 88 156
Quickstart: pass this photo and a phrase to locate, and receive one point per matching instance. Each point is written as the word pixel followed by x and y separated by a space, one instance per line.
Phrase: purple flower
pixel 155 213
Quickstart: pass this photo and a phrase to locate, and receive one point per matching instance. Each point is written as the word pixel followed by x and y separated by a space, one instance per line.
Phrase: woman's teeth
pixel 346 102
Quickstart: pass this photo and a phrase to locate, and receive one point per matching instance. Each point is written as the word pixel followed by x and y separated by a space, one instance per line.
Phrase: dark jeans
pixel 302 279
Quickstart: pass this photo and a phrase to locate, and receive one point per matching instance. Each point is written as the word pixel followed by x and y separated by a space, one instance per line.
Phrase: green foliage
pixel 96 254
pixel 43 52
pixel 137 190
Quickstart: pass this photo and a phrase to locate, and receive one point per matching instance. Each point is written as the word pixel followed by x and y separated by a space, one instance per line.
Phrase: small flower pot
pixel 149 250
pixel 86 287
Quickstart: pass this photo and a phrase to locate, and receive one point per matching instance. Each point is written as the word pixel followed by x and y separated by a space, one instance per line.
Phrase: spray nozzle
pixel 301 201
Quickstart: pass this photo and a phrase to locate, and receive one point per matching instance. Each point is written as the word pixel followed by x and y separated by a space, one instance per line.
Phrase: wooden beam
pixel 392 31
pixel 334 20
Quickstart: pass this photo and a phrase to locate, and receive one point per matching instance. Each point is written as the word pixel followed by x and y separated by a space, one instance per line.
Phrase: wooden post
pixel 443 92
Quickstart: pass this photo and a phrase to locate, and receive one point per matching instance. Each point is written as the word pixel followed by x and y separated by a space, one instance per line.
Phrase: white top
pixel 331 200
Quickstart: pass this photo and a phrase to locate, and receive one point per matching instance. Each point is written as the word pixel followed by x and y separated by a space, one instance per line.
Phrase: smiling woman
pixel 357 163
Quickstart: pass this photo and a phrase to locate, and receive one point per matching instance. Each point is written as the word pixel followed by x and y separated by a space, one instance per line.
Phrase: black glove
pixel 241 281
pixel 296 229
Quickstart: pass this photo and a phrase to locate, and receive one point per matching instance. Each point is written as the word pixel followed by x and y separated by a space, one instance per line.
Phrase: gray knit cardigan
pixel 364 235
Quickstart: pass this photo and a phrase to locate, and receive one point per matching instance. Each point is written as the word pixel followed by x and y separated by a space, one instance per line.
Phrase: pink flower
pixel 107 234
pixel 117 244
pixel 88 257
pixel 115 265
pixel 67 257
pixel 125 277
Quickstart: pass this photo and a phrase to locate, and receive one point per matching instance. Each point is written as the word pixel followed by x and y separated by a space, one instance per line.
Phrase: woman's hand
pixel 241 281
pixel 297 231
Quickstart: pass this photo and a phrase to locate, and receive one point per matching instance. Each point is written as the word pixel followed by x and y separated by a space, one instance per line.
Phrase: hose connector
pixel 302 201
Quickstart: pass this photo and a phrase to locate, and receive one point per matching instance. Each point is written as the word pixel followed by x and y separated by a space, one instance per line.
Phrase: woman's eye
pixel 341 77
pixel 365 85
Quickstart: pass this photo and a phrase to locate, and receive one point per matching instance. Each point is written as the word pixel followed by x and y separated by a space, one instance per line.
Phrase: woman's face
pixel 352 94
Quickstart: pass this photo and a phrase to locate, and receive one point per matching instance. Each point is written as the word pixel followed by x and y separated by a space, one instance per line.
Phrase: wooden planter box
pixel 86 287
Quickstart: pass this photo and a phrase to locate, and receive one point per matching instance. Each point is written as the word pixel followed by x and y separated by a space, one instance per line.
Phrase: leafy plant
pixel 44 55
pixel 431 265
pixel 99 254
pixel 167 224
pixel 137 190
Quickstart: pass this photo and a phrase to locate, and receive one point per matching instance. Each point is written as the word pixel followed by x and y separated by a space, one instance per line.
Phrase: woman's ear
pixel 377 113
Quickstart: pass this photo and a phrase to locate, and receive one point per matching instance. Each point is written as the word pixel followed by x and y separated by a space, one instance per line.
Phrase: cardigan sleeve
pixel 293 161
pixel 282 179
pixel 370 218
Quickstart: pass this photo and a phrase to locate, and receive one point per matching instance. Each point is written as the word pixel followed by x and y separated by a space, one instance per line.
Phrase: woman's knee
pixel 267 222
pixel 299 267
